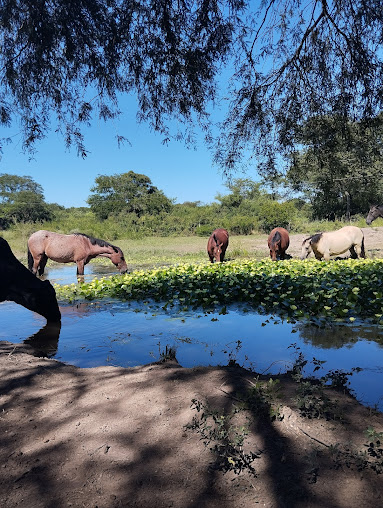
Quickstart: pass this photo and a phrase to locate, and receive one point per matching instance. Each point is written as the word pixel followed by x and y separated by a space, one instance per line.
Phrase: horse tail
pixel 30 260
pixel 362 251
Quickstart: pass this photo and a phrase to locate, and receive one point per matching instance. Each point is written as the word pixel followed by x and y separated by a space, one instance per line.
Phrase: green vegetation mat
pixel 341 291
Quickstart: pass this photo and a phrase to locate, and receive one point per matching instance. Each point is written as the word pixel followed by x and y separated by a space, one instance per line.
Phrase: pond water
pixel 130 334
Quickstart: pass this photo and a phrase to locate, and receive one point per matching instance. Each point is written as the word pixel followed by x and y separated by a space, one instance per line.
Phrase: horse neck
pixel 97 250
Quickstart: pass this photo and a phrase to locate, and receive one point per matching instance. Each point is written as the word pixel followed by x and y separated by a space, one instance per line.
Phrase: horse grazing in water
pixel 278 243
pixel 333 243
pixel 374 212
pixel 20 286
pixel 77 248
pixel 217 245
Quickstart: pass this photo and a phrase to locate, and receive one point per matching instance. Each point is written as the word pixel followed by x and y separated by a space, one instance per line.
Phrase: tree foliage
pixel 21 200
pixel 340 168
pixel 289 61
pixel 76 57
pixel 126 193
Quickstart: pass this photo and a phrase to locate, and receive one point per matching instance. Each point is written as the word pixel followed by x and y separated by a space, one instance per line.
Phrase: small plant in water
pixel 169 353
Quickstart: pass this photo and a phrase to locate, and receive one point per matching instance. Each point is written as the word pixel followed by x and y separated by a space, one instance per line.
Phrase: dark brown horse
pixel 18 285
pixel 374 212
pixel 217 245
pixel 278 243
pixel 76 248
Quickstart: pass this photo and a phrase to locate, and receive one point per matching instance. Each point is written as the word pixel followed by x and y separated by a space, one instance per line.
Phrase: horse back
pixel 220 235
pixel 281 235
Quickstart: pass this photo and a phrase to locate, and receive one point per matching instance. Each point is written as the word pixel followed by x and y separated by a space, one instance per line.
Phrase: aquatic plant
pixel 337 291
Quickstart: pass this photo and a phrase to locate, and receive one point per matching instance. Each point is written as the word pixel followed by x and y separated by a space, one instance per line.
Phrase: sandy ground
pixel 111 437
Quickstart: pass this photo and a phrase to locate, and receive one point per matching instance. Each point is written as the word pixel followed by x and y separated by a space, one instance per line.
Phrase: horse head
pixel 40 298
pixel 117 258
pixel 275 246
pixel 306 248
pixel 373 214
pixel 217 249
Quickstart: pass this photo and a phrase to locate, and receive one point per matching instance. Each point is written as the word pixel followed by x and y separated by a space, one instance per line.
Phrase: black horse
pixel 374 212
pixel 19 285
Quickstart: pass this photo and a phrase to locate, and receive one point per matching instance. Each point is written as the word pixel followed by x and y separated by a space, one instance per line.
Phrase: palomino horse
pixel 333 243
pixel 20 286
pixel 77 248
pixel 374 212
pixel 217 245
pixel 278 243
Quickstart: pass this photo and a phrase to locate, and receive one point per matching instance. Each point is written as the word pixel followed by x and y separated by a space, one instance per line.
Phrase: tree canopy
pixel 126 193
pixel 21 200
pixel 289 61
pixel 340 168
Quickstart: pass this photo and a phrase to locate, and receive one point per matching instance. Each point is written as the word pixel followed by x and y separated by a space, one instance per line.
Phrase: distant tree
pixel 291 60
pixel 241 189
pixel 22 200
pixel 126 193
pixel 340 168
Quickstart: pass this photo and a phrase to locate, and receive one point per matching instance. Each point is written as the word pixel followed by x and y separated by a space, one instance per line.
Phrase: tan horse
pixel 333 243
pixel 76 248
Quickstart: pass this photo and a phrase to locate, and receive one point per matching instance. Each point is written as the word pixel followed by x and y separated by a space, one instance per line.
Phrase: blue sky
pixel 181 173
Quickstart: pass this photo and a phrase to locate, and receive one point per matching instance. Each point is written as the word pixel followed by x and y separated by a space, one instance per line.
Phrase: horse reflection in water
pixel 333 243
pixel 77 248
pixel 45 342
pixel 20 286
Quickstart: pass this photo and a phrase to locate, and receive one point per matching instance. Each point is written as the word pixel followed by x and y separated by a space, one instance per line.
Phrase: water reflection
pixel 338 336
pixel 129 333
pixel 45 342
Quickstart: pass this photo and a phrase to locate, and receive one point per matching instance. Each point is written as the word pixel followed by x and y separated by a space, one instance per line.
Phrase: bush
pixel 274 214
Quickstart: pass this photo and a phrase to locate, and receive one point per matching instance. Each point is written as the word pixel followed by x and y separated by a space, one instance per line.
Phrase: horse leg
pixel 42 264
pixel 355 251
pixel 80 267
pixel 326 255
pixel 36 264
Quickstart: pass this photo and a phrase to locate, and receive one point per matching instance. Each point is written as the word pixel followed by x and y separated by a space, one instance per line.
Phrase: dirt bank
pixel 113 437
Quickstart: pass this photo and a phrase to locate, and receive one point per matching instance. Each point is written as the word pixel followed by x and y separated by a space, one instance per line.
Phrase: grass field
pixel 159 251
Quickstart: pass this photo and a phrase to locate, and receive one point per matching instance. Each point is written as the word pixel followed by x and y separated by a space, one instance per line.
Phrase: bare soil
pixel 112 437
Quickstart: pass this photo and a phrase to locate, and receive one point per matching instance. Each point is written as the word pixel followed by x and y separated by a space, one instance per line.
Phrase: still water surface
pixel 130 334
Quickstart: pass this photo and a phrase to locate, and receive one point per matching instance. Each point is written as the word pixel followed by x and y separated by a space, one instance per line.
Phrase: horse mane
pixel 276 238
pixel 99 242
pixel 313 238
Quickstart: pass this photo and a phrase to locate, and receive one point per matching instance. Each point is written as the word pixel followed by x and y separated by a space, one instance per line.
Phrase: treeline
pixel 129 205
pixel 334 176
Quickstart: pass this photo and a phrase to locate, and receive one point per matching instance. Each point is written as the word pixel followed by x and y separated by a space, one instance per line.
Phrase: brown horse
pixel 217 245
pixel 20 286
pixel 278 243
pixel 76 248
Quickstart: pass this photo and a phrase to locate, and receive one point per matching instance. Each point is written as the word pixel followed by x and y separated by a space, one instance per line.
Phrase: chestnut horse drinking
pixel 217 245
pixel 278 243
pixel 20 286
pixel 76 248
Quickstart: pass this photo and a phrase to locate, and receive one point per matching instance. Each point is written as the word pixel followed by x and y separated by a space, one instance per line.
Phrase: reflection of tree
pixel 45 341
pixel 337 336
